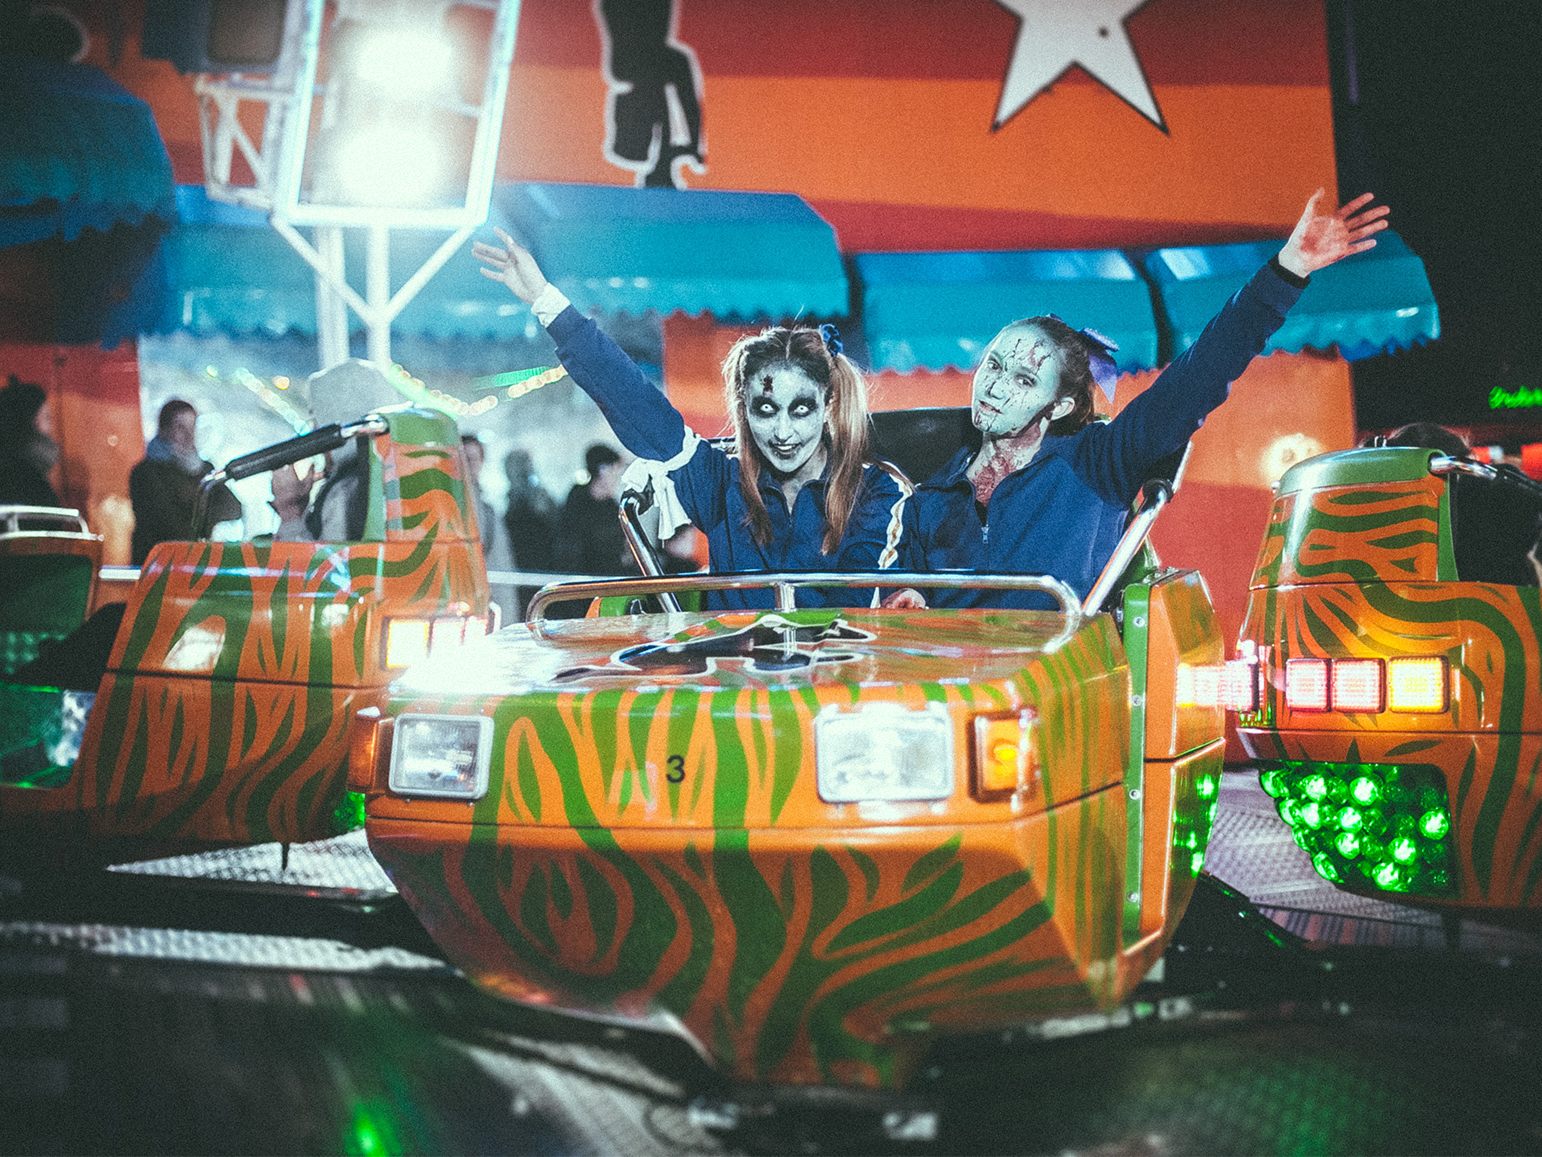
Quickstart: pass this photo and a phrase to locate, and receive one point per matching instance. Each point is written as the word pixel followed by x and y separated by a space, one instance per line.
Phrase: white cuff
pixel 672 515
pixel 549 303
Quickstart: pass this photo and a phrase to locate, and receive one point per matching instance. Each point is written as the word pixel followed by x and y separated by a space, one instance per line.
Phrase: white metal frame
pixel 278 165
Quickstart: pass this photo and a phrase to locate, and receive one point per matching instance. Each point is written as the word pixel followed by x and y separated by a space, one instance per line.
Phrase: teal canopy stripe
pixel 76 152
pixel 738 256
pixel 227 270
pixel 939 310
pixel 1369 304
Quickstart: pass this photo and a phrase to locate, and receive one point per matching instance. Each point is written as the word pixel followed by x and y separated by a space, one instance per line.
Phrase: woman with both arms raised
pixel 1049 489
pixel 800 495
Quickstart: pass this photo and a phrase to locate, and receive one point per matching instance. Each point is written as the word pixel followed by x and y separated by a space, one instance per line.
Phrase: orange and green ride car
pixel 214 707
pixel 807 839
pixel 1392 686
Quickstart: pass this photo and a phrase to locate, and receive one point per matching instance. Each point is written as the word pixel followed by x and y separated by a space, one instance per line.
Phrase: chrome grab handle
pixel 1444 464
pixel 786 583
pixel 1507 475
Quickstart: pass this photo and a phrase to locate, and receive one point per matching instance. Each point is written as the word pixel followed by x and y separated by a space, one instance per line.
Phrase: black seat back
pixel 921 442
pixel 1494 524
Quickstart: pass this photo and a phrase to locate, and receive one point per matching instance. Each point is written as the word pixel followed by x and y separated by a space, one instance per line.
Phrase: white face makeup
pixel 786 415
pixel 1017 383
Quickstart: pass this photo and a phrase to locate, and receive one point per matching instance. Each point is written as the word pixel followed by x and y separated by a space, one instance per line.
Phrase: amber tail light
pixel 368 741
pixel 1005 761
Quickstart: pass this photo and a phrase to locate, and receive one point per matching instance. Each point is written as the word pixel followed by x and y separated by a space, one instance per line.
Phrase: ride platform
pixel 239 1001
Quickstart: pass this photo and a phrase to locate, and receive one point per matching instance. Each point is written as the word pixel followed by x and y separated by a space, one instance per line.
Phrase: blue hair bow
pixel 1100 351
pixel 832 339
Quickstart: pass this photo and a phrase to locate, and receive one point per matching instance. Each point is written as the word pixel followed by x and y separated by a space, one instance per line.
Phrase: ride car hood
pixel 743 648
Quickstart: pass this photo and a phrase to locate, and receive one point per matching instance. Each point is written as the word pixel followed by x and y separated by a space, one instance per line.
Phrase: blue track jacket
pixel 1062 513
pixel 707 484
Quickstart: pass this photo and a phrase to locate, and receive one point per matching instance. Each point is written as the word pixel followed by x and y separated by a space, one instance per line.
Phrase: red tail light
pixel 1358 685
pixel 1306 684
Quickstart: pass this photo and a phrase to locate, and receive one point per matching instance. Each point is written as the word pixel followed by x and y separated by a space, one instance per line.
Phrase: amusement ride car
pixel 1394 701
pixel 809 839
pixel 214 707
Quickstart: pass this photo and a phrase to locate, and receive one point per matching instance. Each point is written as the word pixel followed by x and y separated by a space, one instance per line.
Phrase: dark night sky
pixel 1447 129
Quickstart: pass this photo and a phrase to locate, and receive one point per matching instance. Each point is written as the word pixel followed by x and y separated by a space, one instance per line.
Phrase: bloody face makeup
pixel 1017 384
pixel 785 411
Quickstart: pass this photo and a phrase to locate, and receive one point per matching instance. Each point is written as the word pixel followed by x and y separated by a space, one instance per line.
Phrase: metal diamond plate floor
pixel 234 1003
pixel 341 866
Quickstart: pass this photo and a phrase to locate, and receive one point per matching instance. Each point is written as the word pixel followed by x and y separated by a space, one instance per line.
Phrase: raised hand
pixel 291 492
pixel 511 264
pixel 1319 240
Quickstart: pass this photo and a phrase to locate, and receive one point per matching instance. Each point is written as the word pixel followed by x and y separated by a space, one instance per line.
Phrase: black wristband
pixel 1290 278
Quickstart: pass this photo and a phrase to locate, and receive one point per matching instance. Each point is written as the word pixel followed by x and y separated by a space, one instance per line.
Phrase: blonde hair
pixel 755 358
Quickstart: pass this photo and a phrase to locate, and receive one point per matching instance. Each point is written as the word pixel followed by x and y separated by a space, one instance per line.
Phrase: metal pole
pixel 377 292
pixel 331 311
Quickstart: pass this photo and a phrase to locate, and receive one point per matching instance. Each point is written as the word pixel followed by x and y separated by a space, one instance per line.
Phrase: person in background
pixel 339 506
pixel 529 520
pixel 1431 436
pixel 589 537
pixel 495 547
pixel 163 487
pixel 27 452
pixel 475 454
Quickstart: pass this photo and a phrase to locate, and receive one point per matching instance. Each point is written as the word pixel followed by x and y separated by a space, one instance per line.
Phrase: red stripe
pixel 865 227
pixel 1178 41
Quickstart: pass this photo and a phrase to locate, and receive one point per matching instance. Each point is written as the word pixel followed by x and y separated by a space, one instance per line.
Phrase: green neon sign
pixel 1520 398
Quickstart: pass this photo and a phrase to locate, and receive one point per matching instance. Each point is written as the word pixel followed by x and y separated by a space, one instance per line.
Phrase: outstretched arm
pixel 640 414
pixel 1160 420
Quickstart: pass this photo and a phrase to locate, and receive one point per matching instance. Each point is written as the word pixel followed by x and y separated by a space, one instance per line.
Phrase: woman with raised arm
pixel 1050 488
pixel 801 494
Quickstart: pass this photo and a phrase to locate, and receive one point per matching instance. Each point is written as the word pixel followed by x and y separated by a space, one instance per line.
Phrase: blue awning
pixel 735 255
pixel 227 270
pixel 612 250
pixel 939 310
pixel 76 152
pixel 1372 303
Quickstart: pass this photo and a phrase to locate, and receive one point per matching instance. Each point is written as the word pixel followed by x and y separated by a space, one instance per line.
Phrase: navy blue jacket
pixel 708 483
pixel 1062 513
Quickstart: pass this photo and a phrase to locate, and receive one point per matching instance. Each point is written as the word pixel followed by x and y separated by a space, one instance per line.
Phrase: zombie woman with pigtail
pixel 1049 489
pixel 800 495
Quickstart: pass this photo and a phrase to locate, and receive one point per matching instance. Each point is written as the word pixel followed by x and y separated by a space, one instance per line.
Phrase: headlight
pixel 441 756
pixel 883 751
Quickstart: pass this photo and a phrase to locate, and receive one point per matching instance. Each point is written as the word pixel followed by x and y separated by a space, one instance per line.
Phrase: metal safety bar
pixel 68 519
pixel 1154 496
pixel 642 549
pixel 786 583
pixel 320 441
pixel 1443 464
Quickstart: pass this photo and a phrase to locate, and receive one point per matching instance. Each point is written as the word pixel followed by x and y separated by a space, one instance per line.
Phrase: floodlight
pixel 408 61
pixel 390 165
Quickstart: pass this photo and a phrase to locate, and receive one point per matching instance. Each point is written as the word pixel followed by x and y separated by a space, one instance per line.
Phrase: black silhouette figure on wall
pixel 653 117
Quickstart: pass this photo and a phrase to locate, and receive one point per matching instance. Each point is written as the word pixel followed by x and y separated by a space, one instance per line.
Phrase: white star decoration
pixel 1056 34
